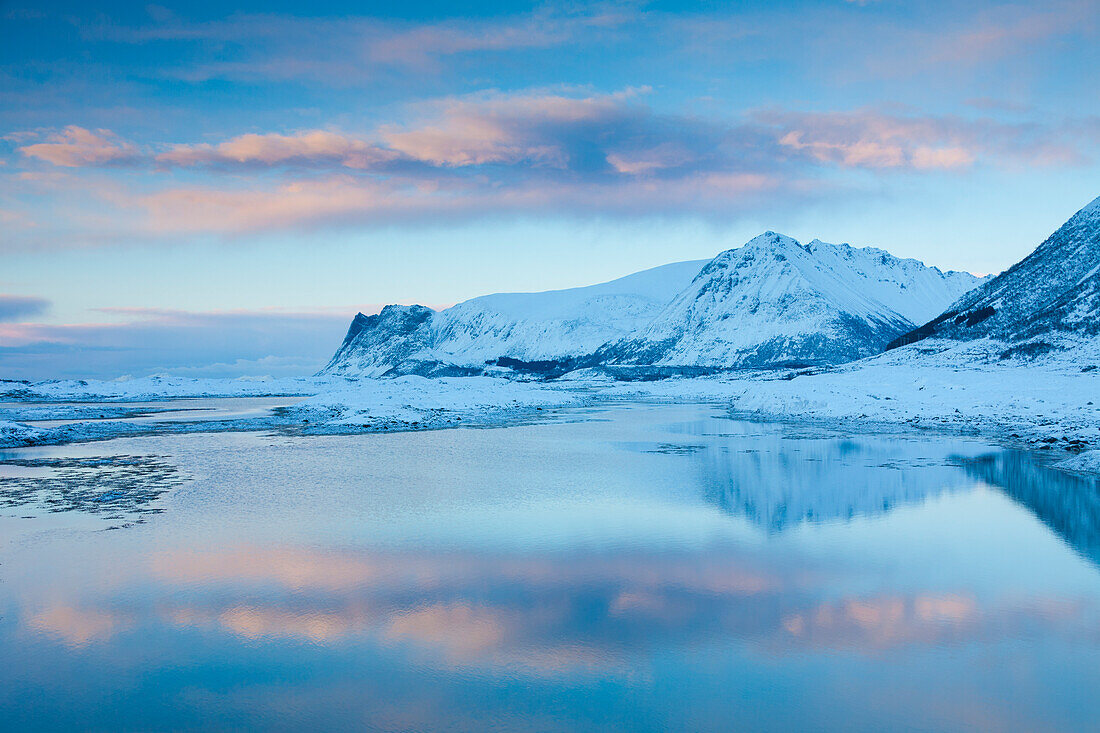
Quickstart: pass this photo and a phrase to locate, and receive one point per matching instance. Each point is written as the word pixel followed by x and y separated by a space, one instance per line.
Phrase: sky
pixel 208 189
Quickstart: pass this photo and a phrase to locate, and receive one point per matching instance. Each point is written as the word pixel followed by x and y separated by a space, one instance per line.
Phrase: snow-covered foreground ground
pixel 1051 406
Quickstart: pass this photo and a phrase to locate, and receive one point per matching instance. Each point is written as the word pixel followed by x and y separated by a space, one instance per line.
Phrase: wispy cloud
pixel 537 129
pixel 876 139
pixel 310 147
pixel 342 50
pixel 603 134
pixel 16 307
pixel 74 147
pixel 354 49
pixel 994 33
pixel 344 200
pixel 991 104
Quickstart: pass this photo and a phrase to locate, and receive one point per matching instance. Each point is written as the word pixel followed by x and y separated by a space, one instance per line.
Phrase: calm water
pixel 640 568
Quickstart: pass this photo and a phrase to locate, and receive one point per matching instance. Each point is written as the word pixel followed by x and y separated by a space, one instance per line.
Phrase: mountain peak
pixel 767 242
pixel 370 339
pixel 771 239
pixel 776 301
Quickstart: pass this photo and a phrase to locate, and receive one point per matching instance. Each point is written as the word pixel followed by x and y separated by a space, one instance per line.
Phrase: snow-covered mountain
pixel 775 301
pixel 549 326
pixel 558 324
pixel 1048 301
pixel 771 302
pixel 374 344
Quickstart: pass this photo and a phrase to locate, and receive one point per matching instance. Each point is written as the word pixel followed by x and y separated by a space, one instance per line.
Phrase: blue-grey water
pixel 633 568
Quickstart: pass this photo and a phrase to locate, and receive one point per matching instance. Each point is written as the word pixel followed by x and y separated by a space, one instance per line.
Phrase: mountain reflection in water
pixel 656 568
pixel 1068 504
pixel 778 481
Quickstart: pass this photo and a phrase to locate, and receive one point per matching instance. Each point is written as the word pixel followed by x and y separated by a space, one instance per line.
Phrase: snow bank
pixel 1087 462
pixel 13 434
pixel 418 402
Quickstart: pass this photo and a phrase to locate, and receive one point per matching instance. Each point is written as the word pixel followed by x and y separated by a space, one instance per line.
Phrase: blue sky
pixel 205 190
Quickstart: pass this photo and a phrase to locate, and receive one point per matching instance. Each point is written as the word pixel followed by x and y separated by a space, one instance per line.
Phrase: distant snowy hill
pixel 775 301
pixel 1049 301
pixel 546 326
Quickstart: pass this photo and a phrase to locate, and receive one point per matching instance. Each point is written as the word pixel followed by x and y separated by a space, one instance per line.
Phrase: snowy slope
pixel 776 301
pixel 552 325
pixel 1048 301
pixel 556 324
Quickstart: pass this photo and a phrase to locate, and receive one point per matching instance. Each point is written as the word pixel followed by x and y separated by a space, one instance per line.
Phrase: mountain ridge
pixel 540 326
pixel 773 301
pixel 1048 301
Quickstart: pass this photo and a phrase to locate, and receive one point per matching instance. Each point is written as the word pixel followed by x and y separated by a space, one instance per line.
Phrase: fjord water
pixel 636 567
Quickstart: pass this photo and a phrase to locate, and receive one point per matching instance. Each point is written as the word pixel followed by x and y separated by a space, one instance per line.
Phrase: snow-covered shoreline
pixel 1047 406
pixel 158 388
pixel 419 403
pixel 1050 405
pixel 329 406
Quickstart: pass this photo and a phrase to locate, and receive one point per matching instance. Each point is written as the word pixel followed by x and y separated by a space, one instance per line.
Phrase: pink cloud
pixel 602 135
pixel 925 158
pixel 871 139
pixel 854 154
pixel 647 160
pixel 348 200
pixel 469 140
pixel 75 146
pixel 190 210
pixel 534 153
pixel 877 140
pixel 273 148
pixel 502 128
